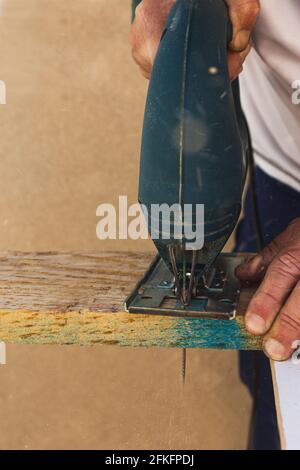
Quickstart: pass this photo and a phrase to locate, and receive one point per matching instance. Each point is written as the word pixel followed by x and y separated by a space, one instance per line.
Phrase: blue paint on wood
pixel 214 334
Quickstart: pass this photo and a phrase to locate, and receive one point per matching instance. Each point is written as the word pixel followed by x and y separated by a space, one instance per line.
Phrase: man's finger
pixel 281 341
pixel 143 62
pixel 243 14
pixel 236 60
pixel 281 277
pixel 146 31
pixel 143 51
pixel 254 268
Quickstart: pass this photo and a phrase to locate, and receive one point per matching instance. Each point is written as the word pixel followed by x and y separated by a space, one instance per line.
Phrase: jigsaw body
pixel 194 149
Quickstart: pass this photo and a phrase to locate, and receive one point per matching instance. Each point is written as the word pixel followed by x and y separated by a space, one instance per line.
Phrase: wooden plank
pixel 78 298
pixel 286 382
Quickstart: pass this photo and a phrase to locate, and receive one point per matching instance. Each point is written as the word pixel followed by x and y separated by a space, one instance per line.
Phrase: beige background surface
pixel 69 141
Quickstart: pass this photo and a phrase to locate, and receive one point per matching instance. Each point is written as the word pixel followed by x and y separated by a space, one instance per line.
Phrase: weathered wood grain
pixel 78 298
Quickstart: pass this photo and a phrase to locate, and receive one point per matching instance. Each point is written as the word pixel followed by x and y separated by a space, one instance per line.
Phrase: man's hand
pixel 146 31
pixel 275 308
pixel 150 20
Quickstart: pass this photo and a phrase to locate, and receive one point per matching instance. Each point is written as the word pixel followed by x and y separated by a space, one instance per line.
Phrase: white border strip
pixel 286 381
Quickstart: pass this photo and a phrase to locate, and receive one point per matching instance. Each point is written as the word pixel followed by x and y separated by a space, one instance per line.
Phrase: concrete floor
pixel 69 141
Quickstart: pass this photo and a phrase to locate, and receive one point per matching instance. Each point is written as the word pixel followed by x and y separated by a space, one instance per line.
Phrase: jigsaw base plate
pixel 217 298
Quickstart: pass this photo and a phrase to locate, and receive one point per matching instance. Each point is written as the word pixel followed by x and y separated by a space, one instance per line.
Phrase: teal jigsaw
pixel 194 154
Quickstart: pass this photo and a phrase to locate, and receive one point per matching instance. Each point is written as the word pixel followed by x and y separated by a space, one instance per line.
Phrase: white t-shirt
pixel 271 104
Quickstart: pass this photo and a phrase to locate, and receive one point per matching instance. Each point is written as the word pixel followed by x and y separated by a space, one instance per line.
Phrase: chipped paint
pixel 123 329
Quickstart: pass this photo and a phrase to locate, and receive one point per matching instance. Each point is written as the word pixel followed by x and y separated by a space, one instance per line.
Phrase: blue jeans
pixel 278 205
